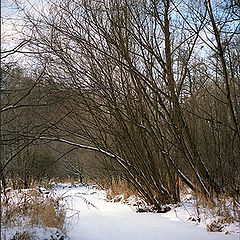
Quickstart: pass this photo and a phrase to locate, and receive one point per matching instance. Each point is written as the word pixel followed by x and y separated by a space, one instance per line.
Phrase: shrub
pixel 30 208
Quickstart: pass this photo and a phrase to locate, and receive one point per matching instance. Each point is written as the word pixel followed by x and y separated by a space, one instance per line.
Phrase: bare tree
pixel 134 82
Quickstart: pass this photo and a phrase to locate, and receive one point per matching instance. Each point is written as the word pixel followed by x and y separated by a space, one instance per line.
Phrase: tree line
pixel 142 90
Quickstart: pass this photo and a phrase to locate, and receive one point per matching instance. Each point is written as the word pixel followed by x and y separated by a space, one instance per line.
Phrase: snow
pixel 90 216
pixel 35 233
pixel 99 219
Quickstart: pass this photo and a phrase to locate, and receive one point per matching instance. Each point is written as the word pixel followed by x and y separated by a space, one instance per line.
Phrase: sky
pixel 12 24
pixel 9 14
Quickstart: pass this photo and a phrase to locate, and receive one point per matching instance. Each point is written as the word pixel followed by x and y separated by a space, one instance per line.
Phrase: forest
pixel 141 91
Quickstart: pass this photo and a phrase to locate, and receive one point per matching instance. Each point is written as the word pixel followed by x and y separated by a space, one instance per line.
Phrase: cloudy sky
pixel 12 22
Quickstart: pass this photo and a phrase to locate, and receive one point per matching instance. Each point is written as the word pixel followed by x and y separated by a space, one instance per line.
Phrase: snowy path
pixel 116 221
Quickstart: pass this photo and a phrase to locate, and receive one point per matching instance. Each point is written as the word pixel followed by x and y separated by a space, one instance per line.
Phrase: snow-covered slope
pixel 91 217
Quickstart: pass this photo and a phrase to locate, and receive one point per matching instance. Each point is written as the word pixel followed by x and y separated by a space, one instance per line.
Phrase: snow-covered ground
pixel 32 233
pixel 92 217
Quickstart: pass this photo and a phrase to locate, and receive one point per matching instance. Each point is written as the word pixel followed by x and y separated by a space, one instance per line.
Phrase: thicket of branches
pixel 150 87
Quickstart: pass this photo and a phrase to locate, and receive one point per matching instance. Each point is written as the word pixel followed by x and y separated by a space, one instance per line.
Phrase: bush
pixel 23 208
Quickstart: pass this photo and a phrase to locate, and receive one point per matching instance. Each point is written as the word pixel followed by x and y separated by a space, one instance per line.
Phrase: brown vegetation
pixel 142 91
pixel 23 208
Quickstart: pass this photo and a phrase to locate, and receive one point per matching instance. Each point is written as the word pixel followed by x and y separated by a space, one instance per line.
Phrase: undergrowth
pixel 215 215
pixel 22 208
pixel 118 190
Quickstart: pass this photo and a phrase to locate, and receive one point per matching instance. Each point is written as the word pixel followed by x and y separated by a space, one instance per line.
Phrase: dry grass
pixel 118 187
pixel 224 206
pixel 22 236
pixel 219 214
pixel 29 208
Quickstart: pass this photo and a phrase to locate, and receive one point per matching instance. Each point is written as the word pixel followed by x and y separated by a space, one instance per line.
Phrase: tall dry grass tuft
pixel 30 208
pixel 53 215
pixel 116 187
pixel 219 212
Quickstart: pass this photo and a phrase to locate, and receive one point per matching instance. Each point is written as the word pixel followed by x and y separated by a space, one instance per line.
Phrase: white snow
pixel 91 217
pixel 36 233
pixel 97 219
